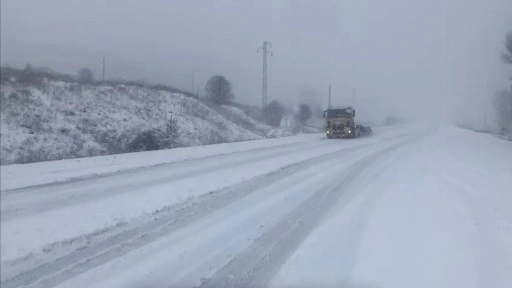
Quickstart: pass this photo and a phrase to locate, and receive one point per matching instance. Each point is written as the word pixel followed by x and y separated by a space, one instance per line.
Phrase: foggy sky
pixel 412 58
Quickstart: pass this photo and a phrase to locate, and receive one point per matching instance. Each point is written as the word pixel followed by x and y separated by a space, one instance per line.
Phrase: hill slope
pixel 54 119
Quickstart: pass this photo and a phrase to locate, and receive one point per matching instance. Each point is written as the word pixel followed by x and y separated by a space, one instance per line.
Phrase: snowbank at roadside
pixel 17 176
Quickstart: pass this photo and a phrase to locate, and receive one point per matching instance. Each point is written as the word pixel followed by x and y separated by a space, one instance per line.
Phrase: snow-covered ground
pixel 55 120
pixel 411 206
pixel 18 176
pixel 436 214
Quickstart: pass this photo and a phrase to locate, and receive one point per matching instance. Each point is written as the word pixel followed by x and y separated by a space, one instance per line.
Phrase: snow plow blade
pixel 364 130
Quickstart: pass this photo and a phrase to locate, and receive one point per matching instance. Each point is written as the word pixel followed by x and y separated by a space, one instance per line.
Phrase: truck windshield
pixel 339 113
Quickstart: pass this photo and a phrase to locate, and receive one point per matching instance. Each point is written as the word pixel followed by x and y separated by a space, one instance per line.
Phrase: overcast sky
pixel 428 56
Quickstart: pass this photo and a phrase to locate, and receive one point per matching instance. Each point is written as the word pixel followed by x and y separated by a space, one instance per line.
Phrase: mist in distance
pixel 434 60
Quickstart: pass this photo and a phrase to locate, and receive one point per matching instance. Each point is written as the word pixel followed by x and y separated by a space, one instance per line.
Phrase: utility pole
pixel 193 84
pixel 329 103
pixel 103 74
pixel 354 97
pixel 265 50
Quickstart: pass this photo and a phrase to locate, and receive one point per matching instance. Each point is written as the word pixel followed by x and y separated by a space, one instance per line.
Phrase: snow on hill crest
pixel 57 120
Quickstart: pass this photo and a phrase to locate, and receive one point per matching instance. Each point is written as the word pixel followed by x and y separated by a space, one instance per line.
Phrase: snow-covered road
pixel 410 206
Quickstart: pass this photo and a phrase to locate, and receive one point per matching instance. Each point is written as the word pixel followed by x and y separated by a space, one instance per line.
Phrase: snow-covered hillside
pixel 54 119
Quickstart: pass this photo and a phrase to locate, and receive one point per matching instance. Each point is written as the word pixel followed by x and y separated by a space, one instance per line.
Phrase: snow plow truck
pixel 340 123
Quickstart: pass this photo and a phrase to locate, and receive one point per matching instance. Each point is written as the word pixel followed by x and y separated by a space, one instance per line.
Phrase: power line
pixel 265 50
pixel 329 103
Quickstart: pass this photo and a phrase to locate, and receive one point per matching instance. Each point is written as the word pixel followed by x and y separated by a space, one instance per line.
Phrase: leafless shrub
pixel 33 122
pixel 69 113
pixel 507 55
pixel 85 76
pixel 196 110
pixel 214 137
pixel 147 140
pixel 273 113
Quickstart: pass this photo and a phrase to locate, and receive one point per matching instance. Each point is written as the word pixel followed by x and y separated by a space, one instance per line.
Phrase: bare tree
pixel 304 114
pixel 503 99
pixel 28 68
pixel 503 106
pixel 85 75
pixel 507 55
pixel 218 90
pixel 147 140
pixel 273 113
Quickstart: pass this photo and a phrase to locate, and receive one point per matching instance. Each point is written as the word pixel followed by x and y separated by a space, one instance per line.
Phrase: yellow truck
pixel 340 123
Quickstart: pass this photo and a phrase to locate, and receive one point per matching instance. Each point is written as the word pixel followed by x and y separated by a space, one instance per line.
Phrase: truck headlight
pixel 327 131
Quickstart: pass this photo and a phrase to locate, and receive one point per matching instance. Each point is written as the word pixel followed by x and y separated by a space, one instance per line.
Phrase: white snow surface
pixel 58 120
pixel 410 206
pixel 16 176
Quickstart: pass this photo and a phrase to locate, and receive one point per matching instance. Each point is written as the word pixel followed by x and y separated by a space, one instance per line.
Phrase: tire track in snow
pixel 163 223
pixel 258 264
pixel 193 169
pixel 128 171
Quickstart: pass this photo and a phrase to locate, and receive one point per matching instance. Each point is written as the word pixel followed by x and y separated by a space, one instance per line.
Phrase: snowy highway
pixel 410 206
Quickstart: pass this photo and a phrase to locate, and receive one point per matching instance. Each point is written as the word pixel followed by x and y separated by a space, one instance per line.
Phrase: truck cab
pixel 340 122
